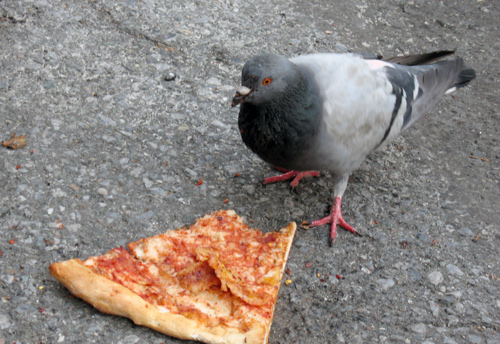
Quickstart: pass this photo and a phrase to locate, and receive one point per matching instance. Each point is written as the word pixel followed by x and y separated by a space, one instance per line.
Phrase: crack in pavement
pixel 130 31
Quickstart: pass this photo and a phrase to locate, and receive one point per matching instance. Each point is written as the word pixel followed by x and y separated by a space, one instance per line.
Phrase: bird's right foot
pixel 296 175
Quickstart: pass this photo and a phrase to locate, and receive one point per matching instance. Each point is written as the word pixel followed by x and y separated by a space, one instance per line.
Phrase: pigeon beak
pixel 241 93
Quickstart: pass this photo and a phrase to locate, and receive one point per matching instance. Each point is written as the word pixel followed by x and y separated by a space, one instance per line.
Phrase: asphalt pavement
pixel 126 110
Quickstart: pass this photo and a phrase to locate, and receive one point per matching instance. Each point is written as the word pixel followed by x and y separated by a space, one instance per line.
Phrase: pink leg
pixel 335 218
pixel 296 175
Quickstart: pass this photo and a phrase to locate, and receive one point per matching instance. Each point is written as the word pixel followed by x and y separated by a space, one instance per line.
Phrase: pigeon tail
pixel 435 80
pixel 466 75
pixel 421 59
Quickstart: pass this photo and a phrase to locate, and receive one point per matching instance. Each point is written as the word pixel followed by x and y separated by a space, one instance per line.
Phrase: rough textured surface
pixel 125 105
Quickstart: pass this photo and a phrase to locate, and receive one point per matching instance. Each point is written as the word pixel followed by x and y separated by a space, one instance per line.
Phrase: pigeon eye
pixel 266 81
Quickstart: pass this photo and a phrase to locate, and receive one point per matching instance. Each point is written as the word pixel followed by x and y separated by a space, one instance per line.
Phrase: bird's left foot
pixel 335 218
pixel 296 175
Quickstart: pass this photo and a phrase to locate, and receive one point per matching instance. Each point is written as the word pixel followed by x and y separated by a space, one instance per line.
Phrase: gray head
pixel 264 78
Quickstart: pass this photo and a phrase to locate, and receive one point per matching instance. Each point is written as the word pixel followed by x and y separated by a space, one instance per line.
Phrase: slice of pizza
pixel 216 281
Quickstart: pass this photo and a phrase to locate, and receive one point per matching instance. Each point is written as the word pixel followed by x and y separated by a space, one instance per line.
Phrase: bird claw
pixel 332 237
pixel 335 219
pixel 331 241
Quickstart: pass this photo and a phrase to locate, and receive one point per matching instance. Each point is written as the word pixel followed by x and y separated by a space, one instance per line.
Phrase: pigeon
pixel 328 112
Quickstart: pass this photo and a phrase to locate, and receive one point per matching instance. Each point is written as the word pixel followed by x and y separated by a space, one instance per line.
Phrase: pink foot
pixel 335 218
pixel 296 175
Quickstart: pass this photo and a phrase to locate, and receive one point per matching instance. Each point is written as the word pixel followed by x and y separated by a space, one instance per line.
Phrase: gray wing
pixel 419 88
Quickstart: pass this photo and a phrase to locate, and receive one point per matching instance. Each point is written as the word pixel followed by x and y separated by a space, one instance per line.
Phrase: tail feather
pixel 436 79
pixel 441 76
pixel 421 59
pixel 424 60
pixel 435 76
pixel 465 76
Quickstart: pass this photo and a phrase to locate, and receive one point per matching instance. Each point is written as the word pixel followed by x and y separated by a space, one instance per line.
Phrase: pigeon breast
pixel 283 130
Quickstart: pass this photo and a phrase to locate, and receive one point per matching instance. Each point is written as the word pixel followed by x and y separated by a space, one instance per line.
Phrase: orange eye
pixel 266 81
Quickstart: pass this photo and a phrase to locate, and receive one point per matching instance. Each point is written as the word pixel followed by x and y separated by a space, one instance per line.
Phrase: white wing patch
pixel 377 64
pixel 417 87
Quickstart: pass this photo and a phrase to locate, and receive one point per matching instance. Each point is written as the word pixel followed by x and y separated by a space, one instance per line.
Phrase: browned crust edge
pixel 110 297
pixel 290 230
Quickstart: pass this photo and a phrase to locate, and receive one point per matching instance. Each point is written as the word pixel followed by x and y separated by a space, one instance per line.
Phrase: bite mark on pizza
pixel 216 281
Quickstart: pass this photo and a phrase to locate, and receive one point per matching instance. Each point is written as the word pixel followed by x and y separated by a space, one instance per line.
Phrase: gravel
pixel 125 105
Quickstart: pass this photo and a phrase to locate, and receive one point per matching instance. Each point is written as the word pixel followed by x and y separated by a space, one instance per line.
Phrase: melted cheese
pixel 218 270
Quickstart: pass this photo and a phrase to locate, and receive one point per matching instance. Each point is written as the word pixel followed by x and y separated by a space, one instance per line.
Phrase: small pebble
pixel 102 191
pixel 454 270
pixel 448 340
pixel 170 76
pixel 250 189
pixel 136 172
pixel 466 231
pixel 4 322
pixel 435 277
pixel 386 284
pixel 148 183
pixel 419 328
pixel 474 339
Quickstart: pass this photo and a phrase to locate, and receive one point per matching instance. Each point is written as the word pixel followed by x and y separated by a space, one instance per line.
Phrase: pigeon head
pixel 264 78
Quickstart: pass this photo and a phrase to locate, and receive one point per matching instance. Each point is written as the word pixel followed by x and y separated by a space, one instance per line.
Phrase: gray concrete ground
pixel 116 148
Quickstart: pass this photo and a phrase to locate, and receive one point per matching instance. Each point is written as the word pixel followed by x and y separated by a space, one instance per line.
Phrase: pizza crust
pixel 113 298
